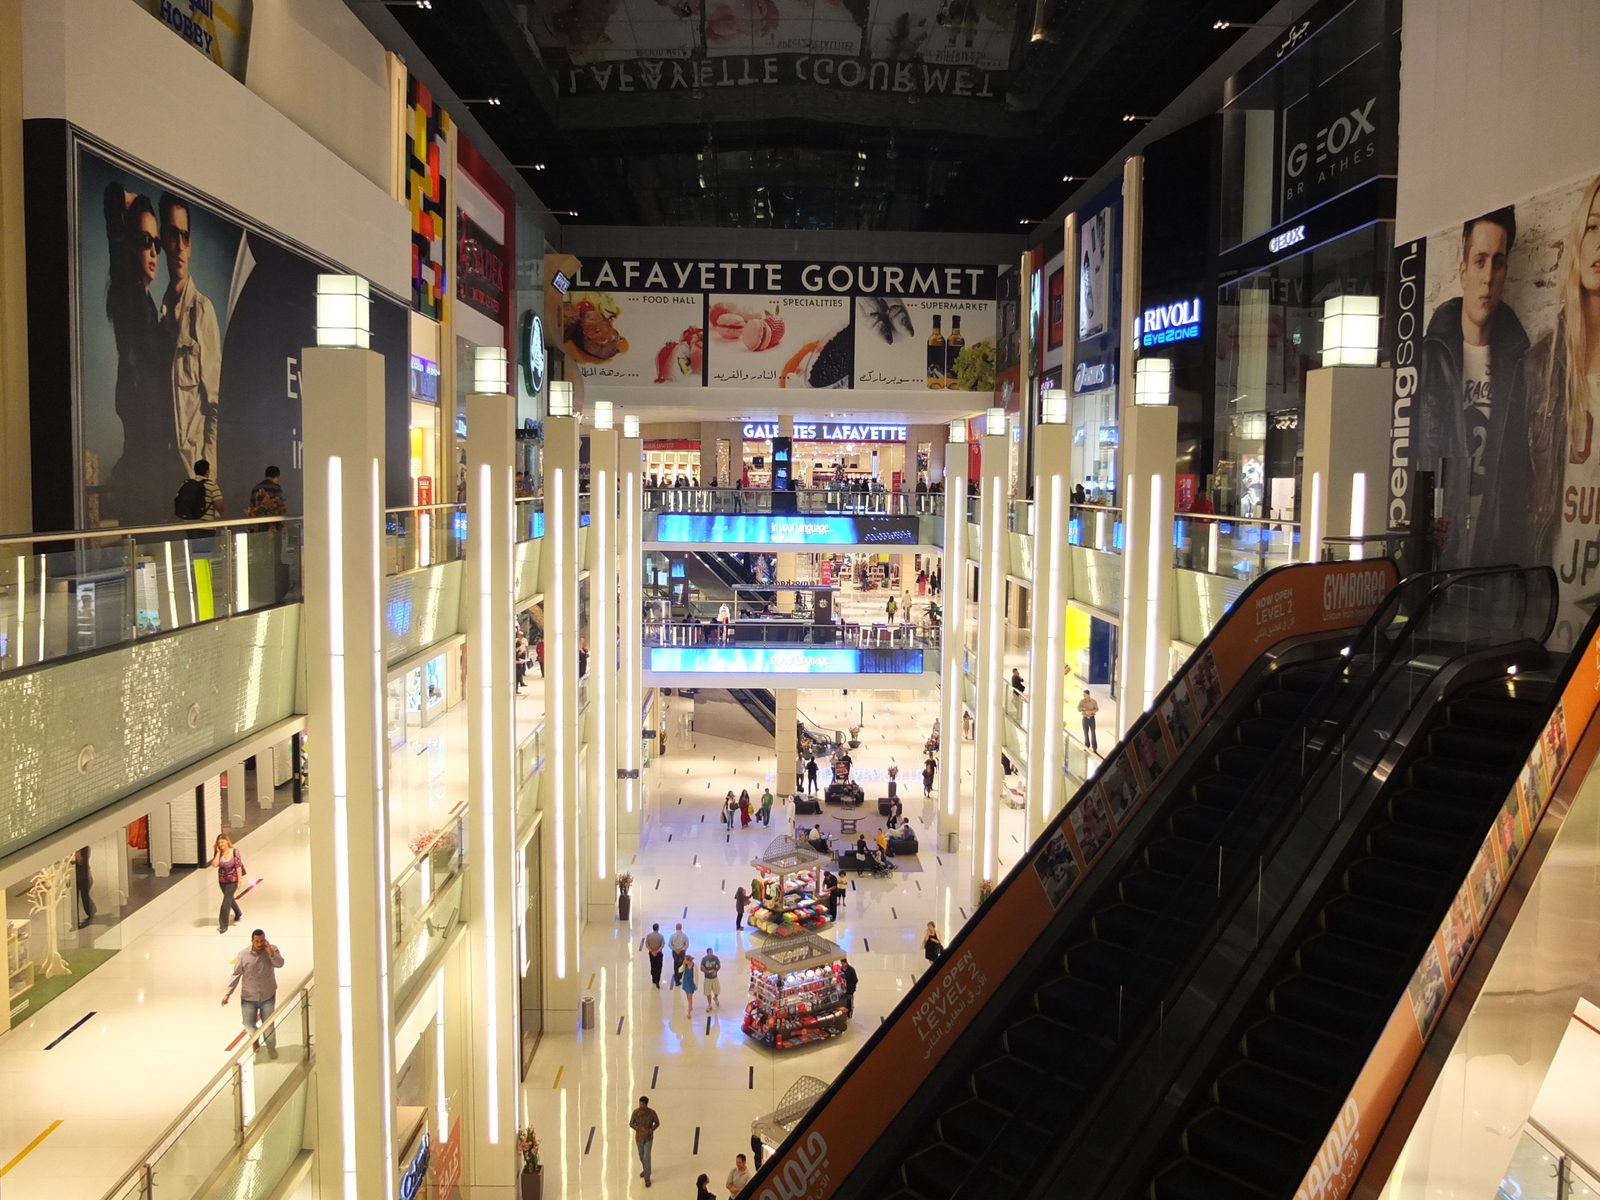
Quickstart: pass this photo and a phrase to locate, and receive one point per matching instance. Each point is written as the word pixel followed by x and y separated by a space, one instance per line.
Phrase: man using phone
pixel 256 970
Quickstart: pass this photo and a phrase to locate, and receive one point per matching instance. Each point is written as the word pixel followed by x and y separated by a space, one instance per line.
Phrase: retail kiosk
pixel 796 993
pixel 787 898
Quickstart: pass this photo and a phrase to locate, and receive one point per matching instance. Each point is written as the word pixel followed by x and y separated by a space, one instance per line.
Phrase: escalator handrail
pixel 915 995
pixel 1268 811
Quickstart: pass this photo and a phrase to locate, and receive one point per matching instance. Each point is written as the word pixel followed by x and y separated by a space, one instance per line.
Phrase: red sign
pixel 480 269
pixel 447 1165
pixel 425 490
pixel 1187 485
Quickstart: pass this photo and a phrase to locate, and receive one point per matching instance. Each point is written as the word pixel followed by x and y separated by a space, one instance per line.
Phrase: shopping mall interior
pixel 418 548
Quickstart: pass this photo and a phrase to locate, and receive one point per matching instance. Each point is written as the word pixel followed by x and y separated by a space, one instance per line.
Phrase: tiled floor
pixel 706 1080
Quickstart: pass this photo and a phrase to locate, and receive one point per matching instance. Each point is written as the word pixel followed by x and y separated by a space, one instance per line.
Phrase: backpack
pixel 190 502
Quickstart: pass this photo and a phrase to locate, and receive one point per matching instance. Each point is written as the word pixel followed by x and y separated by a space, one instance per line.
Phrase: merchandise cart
pixel 796 993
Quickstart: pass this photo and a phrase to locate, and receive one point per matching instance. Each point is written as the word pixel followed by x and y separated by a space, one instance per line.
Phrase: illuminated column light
pixel 605 653
pixel 489 531
pixel 1358 512
pixel 491 374
pixel 441 1097
pixel 1350 331
pixel 1314 534
pixel 1152 381
pixel 558 516
pixel 344 307
pixel 1153 650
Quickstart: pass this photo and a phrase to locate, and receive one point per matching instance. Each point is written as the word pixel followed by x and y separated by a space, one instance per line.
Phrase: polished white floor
pixel 708 1082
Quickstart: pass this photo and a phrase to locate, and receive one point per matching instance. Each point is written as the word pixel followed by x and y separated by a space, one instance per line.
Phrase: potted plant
pixel 531 1180
pixel 855 737
pixel 624 901
pixel 985 890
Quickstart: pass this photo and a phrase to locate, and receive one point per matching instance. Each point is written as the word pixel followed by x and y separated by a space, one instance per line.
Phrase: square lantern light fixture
pixel 958 430
pixel 630 427
pixel 994 422
pixel 1350 331
pixel 561 398
pixel 1053 406
pixel 1152 381
pixel 490 370
pixel 344 312
pixel 604 415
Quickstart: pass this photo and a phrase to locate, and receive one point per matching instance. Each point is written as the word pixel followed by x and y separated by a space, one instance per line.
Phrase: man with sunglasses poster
pixel 190 320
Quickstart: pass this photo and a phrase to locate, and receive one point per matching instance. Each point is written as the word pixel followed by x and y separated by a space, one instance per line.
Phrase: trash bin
pixel 586 1009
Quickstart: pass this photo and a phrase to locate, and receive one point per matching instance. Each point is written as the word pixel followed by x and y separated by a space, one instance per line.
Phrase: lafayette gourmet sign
pixel 784 278
pixel 845 73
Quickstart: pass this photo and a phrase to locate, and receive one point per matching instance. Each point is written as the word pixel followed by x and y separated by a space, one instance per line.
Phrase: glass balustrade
pixel 423 535
pixel 1238 548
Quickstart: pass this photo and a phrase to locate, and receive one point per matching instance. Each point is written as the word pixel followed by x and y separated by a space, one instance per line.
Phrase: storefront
pixel 1309 147
pixel 1095 366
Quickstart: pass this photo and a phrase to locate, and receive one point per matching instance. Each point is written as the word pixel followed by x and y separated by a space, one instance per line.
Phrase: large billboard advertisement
pixel 804 530
pixel 190 328
pixel 783 660
pixel 687 322
pixel 1495 388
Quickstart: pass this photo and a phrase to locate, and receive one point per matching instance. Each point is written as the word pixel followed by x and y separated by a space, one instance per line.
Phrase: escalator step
pixel 1441 775
pixel 1305 680
pixel 1145 888
pixel 1054 1046
pixel 1074 1002
pixel 1173 855
pixel 1241 1147
pixel 1190 1179
pixel 1498 714
pixel 1274 1098
pixel 1428 849
pixel 936 1172
pixel 1300 1050
pixel 1282 705
pixel 1123 924
pixel 1219 791
pixel 971 1127
pixel 1372 921
pixel 1431 810
pixel 1265 733
pixel 1408 887
pixel 1350 963
pixel 1468 745
pixel 988 1184
pixel 1003 1078
pixel 1197 822
pixel 1327 1005
pixel 1096 961
pixel 1243 762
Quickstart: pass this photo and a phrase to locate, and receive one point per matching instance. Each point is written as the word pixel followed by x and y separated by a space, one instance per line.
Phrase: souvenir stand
pixel 775 1127
pixel 786 895
pixel 796 993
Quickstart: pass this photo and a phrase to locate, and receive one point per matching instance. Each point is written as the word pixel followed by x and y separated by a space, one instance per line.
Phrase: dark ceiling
pixel 918 115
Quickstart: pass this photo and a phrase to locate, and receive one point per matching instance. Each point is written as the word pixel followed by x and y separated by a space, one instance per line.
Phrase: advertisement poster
pixel 899 347
pixel 1094 274
pixel 220 31
pixel 779 341
pixel 190 335
pixel 634 339
pixel 1491 392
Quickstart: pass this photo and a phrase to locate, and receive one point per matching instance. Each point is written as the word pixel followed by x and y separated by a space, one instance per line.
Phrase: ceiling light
pixel 1245 25
pixel 1071 178
pixel 1135 117
pixel 491 101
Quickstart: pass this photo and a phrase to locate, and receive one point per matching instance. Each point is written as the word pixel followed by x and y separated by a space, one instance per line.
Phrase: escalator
pixel 1074 1053
pixel 760 704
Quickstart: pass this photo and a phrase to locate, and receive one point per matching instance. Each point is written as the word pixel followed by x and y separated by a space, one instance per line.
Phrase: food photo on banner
pixel 1497 384
pixel 190 332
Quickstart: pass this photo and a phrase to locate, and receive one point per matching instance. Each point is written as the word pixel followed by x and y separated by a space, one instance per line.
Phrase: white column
pixel 1149 455
pixel 1343 488
pixel 952 641
pixel 786 703
pixel 491 786
pixel 601 722
pixel 987 774
pixel 237 794
pixel 630 637
pixel 1047 660
pixel 343 407
pixel 563 812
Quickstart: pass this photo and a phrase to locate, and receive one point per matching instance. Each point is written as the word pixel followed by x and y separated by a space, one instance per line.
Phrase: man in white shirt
pixel 678 943
pixel 739 1176
pixel 188 317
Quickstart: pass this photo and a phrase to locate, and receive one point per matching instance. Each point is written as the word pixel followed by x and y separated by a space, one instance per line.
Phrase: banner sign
pixel 782 660
pixel 781 324
pixel 218 30
pixel 1366 1110
pixel 842 1127
pixel 480 270
pixel 890 77
pixel 788 530
pixel 1490 394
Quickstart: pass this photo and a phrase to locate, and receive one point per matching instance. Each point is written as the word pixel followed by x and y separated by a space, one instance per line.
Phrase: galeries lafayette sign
pixel 840 73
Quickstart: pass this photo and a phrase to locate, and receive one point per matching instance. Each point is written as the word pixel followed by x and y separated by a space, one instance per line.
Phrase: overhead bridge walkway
pixel 1208 974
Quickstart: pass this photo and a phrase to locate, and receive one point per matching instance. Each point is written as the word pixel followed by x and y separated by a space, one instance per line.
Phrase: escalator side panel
pixel 830 1144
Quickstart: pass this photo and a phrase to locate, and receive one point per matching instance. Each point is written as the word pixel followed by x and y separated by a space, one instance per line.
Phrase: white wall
pixel 1498 101
pixel 112 69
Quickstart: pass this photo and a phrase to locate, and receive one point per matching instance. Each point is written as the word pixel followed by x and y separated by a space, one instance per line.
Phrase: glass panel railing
pixel 1238 548
pixel 438 856
pixel 1019 517
pixel 423 535
pixel 530 753
pixel 1096 526
pixel 73 592
pixel 805 500
pixel 248 1113
pixel 433 925
pixel 529 518
pixel 787 633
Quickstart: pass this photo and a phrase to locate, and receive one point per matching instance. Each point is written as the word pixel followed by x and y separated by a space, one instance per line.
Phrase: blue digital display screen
pixel 775 530
pixel 783 660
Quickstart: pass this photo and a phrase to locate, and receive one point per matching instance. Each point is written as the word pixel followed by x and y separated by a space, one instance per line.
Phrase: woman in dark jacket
pixel 932 947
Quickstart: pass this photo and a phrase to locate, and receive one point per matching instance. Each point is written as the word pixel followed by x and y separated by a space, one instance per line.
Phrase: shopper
pixel 701 1190
pixel 199 499
pixel 84 882
pixel 744 809
pixel 730 806
pixel 266 498
pixel 799 772
pixel 230 874
pixel 678 943
pixel 710 970
pixel 848 974
pixel 811 773
pixel 741 900
pixel 833 893
pixel 255 968
pixel 739 1176
pixel 644 1124
pixel 928 768
pixel 1016 681
pixel 653 944
pixel 521 659
pixel 932 947
pixel 1088 707
pixel 758 1149
pixel 889 609
pixel 686 978
pixel 766 807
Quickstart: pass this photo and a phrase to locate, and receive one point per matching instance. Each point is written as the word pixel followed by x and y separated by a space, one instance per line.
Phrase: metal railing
pixel 1097 526
pixel 1240 548
pixel 437 858
pixel 791 633
pixel 80 590
pixel 421 535
pixel 806 500
pixel 529 522
pixel 251 1114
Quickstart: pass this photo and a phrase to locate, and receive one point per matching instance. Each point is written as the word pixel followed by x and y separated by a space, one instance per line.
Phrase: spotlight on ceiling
pixel 1135 117
pixel 1245 25
pixel 491 101
pixel 1071 178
